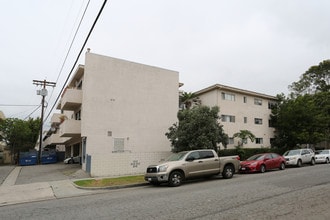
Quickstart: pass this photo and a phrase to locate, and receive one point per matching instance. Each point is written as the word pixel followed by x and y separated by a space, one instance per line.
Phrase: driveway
pixel 45 173
pixel 4 172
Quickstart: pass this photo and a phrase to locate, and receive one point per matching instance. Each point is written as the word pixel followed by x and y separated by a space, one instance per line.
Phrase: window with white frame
pixel 257 101
pixel 230 140
pixel 271 105
pixel 227 118
pixel 228 96
pixel 259 141
pixel 258 121
pixel 245 120
pixel 245 99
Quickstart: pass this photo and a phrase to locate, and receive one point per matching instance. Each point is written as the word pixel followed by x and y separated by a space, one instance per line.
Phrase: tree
pixel 244 135
pixel 18 134
pixel 315 79
pixel 198 128
pixel 304 117
pixel 303 120
pixel 187 99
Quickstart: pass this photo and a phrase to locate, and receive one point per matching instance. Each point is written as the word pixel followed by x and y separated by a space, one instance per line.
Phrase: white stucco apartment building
pixel 115 113
pixel 241 110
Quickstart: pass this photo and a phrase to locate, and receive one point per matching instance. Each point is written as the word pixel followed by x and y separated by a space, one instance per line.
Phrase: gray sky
pixel 258 45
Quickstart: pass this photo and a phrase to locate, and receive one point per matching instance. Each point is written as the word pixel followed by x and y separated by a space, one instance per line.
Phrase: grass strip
pixel 118 181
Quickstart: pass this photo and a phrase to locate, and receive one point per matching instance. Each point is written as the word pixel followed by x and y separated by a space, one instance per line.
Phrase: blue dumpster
pixel 28 158
pixel 48 157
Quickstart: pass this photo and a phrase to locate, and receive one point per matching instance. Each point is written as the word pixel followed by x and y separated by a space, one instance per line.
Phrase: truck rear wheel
pixel 228 172
pixel 175 179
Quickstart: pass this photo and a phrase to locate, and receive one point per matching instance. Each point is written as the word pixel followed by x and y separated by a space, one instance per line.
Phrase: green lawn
pixel 118 181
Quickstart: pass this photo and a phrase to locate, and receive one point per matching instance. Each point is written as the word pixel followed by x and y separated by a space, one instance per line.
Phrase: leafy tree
pixel 304 117
pixel 315 79
pixel 198 128
pixel 187 99
pixel 244 135
pixel 18 134
pixel 303 120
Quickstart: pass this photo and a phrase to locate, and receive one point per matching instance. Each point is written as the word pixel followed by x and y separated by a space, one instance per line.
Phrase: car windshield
pixel 257 157
pixel 322 152
pixel 292 152
pixel 177 156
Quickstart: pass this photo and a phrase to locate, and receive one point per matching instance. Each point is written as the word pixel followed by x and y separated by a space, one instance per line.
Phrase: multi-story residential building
pixel 241 110
pixel 115 115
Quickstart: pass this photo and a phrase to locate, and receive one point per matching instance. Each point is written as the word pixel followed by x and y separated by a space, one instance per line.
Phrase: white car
pixel 322 156
pixel 299 156
pixel 75 159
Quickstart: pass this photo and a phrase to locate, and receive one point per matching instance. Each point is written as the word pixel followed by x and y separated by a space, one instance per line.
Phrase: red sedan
pixel 262 162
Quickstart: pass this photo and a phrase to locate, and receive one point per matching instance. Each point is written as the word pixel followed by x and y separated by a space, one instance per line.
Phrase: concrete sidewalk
pixel 37 191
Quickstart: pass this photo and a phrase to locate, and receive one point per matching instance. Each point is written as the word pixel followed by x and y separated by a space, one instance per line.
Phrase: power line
pixel 67 54
pixel 32 112
pixel 82 48
pixel 10 105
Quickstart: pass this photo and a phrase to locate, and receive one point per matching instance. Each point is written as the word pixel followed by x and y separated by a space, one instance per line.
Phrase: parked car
pixel 299 156
pixel 262 162
pixel 191 164
pixel 322 156
pixel 72 160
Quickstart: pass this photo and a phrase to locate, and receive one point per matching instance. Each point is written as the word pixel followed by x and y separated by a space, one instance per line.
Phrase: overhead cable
pixel 82 48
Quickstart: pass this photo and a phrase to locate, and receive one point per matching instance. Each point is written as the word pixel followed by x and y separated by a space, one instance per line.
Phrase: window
pixel 271 105
pixel 259 141
pixel 257 101
pixel 258 121
pixel 245 99
pixel 227 118
pixel 275 155
pixel 77 115
pixel 206 154
pixel 230 140
pixel 193 155
pixel 245 120
pixel 227 96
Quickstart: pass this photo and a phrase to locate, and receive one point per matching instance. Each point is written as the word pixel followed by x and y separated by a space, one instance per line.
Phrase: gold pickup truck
pixel 191 164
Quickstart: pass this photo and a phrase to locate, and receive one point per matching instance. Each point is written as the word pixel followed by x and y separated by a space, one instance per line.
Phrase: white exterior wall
pixel 239 109
pixel 122 164
pixel 132 102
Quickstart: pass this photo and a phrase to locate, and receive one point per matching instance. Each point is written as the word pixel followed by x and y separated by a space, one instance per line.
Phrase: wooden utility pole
pixel 43 93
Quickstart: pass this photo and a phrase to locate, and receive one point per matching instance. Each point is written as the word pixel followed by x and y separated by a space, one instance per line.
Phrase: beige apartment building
pixel 241 110
pixel 115 113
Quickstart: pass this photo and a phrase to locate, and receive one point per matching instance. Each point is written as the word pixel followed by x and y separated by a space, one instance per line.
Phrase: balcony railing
pixel 71 99
pixel 70 128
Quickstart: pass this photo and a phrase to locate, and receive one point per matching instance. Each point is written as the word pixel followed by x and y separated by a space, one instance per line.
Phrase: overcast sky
pixel 257 45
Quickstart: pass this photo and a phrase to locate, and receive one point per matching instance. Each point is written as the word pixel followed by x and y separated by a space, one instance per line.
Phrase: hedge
pixel 245 153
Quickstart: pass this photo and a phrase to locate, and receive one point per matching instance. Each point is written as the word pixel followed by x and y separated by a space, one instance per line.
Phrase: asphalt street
pixel 295 193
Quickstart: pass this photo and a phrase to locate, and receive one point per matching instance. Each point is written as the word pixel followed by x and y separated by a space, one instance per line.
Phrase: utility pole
pixel 43 92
